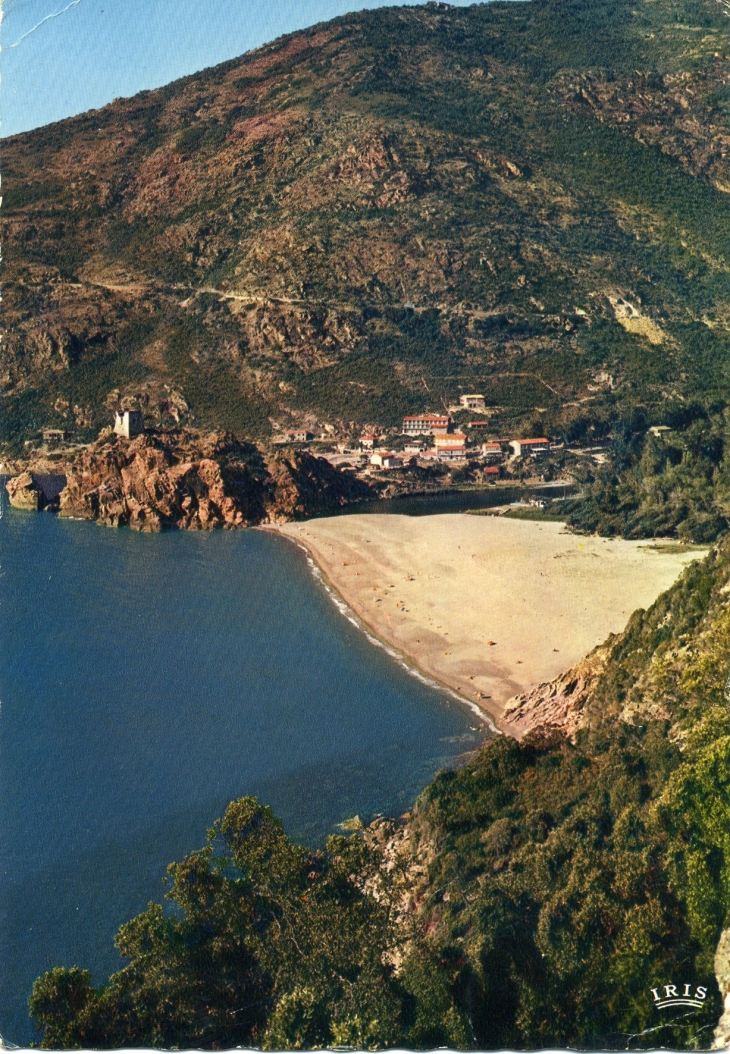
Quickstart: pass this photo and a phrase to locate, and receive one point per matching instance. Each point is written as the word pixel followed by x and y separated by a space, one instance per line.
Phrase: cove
pixel 146 681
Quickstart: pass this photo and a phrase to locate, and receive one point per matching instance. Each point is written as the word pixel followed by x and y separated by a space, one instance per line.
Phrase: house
pixel 393 461
pixel 491 473
pixel 367 441
pixel 414 448
pixel 451 447
pixel 426 424
pixel 492 451
pixel 129 423
pixel 453 439
pixel 659 430
pixel 299 435
pixel 472 402
pixel 525 447
pixel 478 424
pixel 386 459
pixel 51 436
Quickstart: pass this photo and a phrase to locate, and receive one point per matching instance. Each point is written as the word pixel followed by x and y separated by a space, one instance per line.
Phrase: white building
pixel 451 447
pixel 426 424
pixel 472 402
pixel 525 447
pixel 386 459
pixel 128 423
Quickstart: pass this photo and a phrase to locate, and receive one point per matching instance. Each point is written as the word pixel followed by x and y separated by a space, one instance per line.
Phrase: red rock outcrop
pixel 148 483
pixel 190 481
pixel 557 704
pixel 300 485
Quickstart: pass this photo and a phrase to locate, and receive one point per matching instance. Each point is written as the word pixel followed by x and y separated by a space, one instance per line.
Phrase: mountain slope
pixel 370 216
pixel 564 878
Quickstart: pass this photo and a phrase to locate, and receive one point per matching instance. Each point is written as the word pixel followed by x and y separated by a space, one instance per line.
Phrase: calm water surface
pixel 454 501
pixel 147 680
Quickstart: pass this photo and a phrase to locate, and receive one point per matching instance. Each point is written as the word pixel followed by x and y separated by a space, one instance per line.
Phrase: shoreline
pixel 407 662
pixel 528 573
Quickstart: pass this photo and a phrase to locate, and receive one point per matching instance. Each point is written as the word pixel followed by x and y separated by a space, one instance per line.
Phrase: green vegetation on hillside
pixel 570 891
pixel 676 483
pixel 270 945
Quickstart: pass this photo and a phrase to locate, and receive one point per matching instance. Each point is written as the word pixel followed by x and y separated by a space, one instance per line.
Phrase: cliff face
pixel 155 481
pixel 190 481
pixel 366 218
pixel 302 485
pixel 561 704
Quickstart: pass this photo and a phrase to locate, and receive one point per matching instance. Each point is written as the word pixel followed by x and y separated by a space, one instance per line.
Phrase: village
pixel 435 441
pixel 462 442
pixel 465 444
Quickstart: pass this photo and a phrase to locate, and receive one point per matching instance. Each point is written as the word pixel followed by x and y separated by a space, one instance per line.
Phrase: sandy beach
pixel 488 606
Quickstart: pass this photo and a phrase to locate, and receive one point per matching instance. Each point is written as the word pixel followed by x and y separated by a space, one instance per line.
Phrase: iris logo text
pixel 678 995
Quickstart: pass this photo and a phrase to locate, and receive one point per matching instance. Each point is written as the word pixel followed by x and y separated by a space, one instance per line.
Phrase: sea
pixel 146 680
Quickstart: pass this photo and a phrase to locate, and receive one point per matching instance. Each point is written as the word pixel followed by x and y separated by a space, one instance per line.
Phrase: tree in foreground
pixel 268 944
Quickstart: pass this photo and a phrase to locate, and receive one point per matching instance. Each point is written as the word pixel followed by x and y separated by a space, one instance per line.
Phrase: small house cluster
pixel 429 437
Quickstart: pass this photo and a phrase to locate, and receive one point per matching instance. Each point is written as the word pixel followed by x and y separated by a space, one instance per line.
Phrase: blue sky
pixel 62 57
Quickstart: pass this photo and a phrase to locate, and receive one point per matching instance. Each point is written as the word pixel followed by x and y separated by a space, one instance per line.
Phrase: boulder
pixel 25 493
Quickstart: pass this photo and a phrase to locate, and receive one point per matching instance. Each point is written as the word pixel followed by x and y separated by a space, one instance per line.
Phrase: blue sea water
pixel 146 681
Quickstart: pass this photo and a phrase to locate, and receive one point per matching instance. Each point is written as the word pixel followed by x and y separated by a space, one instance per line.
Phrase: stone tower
pixel 128 423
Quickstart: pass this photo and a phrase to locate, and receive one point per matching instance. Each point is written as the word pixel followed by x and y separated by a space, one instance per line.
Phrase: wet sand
pixel 486 605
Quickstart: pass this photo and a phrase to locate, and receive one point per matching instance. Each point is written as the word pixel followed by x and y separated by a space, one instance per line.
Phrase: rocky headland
pixel 186 480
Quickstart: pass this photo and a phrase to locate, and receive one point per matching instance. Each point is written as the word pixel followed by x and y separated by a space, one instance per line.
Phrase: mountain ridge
pixel 364 218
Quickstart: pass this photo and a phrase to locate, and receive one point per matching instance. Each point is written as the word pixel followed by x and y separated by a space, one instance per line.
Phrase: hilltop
pixel 369 217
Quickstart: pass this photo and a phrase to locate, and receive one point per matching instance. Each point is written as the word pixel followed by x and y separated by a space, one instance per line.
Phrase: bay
pixel 148 680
